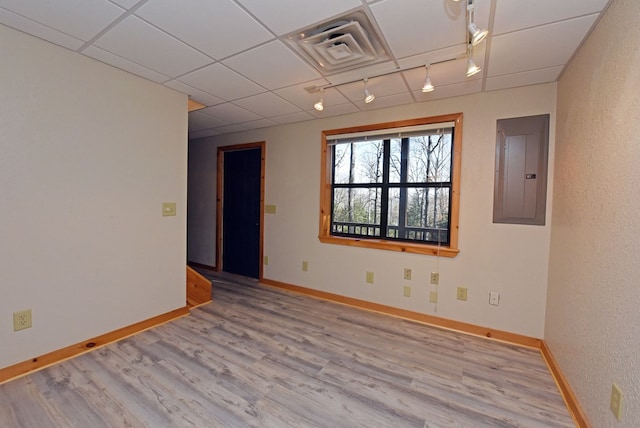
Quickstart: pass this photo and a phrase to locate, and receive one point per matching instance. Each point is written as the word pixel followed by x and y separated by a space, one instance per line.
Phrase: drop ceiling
pixel 237 57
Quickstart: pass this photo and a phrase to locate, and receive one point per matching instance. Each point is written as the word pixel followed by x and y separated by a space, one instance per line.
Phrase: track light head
pixel 368 97
pixel 320 104
pixel 472 68
pixel 428 86
pixel 477 35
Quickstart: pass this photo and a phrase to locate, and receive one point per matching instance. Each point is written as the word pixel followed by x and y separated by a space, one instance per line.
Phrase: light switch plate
pixel 270 209
pixel 168 209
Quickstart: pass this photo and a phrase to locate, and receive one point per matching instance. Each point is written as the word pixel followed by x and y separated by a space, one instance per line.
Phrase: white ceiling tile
pixel 127 4
pixel 199 121
pixel 260 123
pixel 522 79
pixel 414 26
pixel 82 19
pixel 267 105
pixel 228 129
pixel 218 80
pixel 449 91
pixel 124 64
pixel 144 44
pixel 443 74
pixel 539 47
pixel 218 28
pixel 291 15
pixel 380 86
pixel 515 15
pixel 292 118
pixel 36 29
pixel 195 94
pixel 203 134
pixel 229 113
pixel 334 110
pixel 303 99
pixel 272 65
pixel 386 101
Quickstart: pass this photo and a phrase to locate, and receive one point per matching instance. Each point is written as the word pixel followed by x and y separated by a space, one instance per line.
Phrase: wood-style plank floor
pixel 262 357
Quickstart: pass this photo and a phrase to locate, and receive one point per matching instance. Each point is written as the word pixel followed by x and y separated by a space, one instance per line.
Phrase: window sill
pixel 381 244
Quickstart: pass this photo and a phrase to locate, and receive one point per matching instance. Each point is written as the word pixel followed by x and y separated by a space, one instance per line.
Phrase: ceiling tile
pixel 144 44
pixel 82 19
pixel 204 24
pixel 443 74
pixel 539 47
pixel 303 99
pixel 291 15
pixel 260 123
pixel 124 64
pixel 36 29
pixel 199 121
pixel 218 80
pixel 273 66
pixel 457 89
pixel 334 110
pixel 292 118
pixel 414 26
pixel 267 105
pixel 203 134
pixel 380 86
pixel 386 101
pixel 230 128
pixel 522 79
pixel 517 15
pixel 229 113
pixel 127 4
pixel 195 94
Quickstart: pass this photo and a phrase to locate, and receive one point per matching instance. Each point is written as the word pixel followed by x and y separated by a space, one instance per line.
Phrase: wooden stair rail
pixel 198 289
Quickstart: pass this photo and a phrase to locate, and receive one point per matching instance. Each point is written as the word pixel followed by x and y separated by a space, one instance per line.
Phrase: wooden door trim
pixel 220 198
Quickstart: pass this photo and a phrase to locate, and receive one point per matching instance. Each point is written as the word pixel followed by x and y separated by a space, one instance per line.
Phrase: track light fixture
pixel 428 86
pixel 474 36
pixel 320 104
pixel 368 97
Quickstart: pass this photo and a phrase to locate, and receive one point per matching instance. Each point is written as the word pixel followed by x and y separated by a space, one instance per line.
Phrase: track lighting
pixel 368 97
pixel 477 35
pixel 428 86
pixel 472 68
pixel 320 104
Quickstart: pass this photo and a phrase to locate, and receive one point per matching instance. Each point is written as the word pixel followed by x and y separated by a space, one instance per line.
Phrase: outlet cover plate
pixel 369 278
pixel 407 274
pixel 616 402
pixel 494 298
pixel 462 293
pixel 435 278
pixel 406 292
pixel 433 297
pixel 22 320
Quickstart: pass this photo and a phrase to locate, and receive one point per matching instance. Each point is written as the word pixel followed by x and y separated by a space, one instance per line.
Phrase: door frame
pixel 220 199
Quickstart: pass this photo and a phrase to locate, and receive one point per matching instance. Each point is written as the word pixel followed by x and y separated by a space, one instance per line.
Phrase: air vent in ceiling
pixel 342 44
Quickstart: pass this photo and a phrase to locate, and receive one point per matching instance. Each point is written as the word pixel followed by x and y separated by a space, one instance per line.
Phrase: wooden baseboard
pixel 46 360
pixel 462 327
pixel 567 393
pixel 198 289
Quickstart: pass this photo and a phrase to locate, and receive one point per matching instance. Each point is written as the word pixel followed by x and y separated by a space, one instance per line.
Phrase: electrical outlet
pixel 407 274
pixel 462 293
pixel 305 266
pixel 494 298
pixel 22 320
pixel 433 297
pixel 435 278
pixel 406 291
pixel 369 278
pixel 616 402
pixel 168 209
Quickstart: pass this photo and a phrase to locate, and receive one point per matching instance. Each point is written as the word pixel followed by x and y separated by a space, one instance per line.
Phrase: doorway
pixel 239 222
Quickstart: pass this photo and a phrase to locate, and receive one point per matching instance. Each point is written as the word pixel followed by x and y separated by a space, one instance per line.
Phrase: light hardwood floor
pixel 262 357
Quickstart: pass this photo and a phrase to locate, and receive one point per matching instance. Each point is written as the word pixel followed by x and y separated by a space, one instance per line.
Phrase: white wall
pixel 593 322
pixel 88 154
pixel 510 259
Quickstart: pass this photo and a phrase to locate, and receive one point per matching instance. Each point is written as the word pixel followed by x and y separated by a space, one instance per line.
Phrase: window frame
pixel 325 235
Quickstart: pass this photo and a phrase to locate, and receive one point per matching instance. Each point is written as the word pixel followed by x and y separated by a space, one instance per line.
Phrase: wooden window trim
pixel 450 250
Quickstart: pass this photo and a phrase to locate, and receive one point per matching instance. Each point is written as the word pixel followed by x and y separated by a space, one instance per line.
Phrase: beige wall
pixel 510 259
pixel 592 323
pixel 88 154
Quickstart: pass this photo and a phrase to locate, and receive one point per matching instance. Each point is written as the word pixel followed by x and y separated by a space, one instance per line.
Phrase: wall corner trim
pixel 565 390
pixel 43 361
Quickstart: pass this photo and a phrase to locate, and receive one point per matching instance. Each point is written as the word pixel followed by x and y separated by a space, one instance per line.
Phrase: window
pixel 393 186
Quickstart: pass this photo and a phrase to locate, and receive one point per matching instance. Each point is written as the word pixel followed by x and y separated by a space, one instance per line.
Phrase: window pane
pixel 425 216
pixel 359 162
pixel 357 211
pixel 428 159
